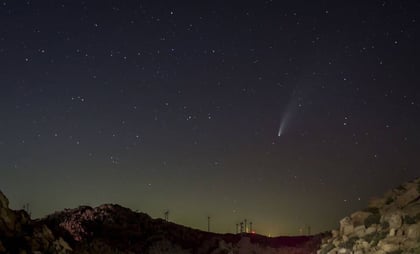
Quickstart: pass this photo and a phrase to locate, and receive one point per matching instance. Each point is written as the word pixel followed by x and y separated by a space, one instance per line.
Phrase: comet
pixel 283 123
pixel 280 129
pixel 287 115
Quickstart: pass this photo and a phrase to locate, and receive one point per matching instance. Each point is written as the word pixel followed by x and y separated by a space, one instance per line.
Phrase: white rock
pixel 400 232
pixel 365 245
pixel 410 244
pixel 336 242
pixel 394 219
pixel 345 238
pixel 376 202
pixel 333 251
pixel 379 252
pixel 346 226
pixel 359 217
pixel 392 232
pixel 389 247
pixel 408 196
pixel 413 232
pixel 344 251
pixel 371 229
pixel 360 231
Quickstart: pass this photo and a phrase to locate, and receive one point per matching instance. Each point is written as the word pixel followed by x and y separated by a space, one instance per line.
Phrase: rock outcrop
pixel 389 225
pixel 19 234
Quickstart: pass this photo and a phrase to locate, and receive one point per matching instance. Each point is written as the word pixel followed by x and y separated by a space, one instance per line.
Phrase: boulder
pixel 413 232
pixel 408 196
pixel 410 244
pixel 365 245
pixel 379 252
pixel 394 219
pixel 372 229
pixel 360 231
pixel 392 232
pixel 376 202
pixel 400 232
pixel 336 242
pixel 359 217
pixel 346 226
pixel 389 247
pixel 344 251
pixel 61 246
pixel 335 233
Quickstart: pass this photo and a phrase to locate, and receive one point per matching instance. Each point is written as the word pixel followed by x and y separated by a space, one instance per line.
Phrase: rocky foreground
pixel 389 225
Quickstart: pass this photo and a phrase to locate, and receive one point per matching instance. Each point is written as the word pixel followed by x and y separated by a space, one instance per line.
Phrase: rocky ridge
pixel 115 229
pixel 20 234
pixel 390 224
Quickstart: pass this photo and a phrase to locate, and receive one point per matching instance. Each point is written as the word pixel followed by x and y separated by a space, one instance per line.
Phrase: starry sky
pixel 178 105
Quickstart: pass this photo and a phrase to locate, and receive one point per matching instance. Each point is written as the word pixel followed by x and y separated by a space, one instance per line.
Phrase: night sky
pixel 286 113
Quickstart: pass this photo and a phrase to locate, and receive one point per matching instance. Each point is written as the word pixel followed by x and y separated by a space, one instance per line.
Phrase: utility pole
pixel 26 208
pixel 208 223
pixel 242 227
pixel 250 226
pixel 166 213
pixel 246 231
pixel 237 228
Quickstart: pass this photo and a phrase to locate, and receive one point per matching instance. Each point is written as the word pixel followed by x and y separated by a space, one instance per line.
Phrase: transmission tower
pixel 166 214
